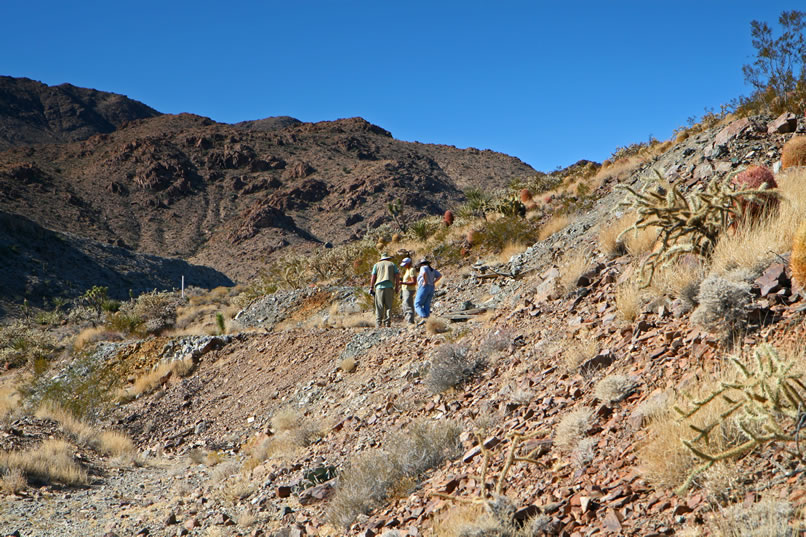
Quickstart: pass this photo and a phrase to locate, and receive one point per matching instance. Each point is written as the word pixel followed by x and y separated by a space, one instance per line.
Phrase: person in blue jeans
pixel 426 279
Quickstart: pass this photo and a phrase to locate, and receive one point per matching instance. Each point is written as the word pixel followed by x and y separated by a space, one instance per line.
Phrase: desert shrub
pixel 13 481
pixel 572 428
pixel 295 428
pixel 476 204
pixel 508 230
pixel 121 322
pixel 156 310
pixel 615 388
pixel 21 345
pixel 152 380
pixel 435 326
pixel 723 304
pixel 450 366
pixel 768 518
pixel 371 477
pixel 495 341
pixel 107 442
pixel 794 152
pixel 572 266
pixel 424 228
pixel 51 461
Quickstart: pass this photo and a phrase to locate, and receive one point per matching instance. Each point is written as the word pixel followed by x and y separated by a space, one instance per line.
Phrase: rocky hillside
pixel 539 403
pixel 232 196
pixel 35 113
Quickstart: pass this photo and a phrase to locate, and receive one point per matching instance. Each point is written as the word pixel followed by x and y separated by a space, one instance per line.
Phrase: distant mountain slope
pixel 233 196
pixel 35 113
pixel 37 264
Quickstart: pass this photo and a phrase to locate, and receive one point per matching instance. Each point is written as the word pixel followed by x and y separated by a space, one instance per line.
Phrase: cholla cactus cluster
pixel 511 206
pixel 688 223
pixel 768 404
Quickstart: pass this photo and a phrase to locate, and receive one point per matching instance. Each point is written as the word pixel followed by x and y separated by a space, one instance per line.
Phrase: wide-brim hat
pixel 385 256
pixel 423 261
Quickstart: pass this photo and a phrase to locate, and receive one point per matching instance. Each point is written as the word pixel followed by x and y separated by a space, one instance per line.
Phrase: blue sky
pixel 548 82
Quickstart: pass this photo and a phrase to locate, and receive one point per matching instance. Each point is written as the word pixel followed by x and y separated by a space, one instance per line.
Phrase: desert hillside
pixel 615 348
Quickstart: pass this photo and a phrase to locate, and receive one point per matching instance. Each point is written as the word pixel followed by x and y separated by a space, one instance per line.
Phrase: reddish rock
pixel 785 123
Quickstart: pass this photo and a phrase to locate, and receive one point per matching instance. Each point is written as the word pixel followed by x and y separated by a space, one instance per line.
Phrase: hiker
pixel 384 284
pixel 409 289
pixel 425 288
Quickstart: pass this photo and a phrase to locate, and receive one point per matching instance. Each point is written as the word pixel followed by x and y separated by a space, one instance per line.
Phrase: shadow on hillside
pixel 38 264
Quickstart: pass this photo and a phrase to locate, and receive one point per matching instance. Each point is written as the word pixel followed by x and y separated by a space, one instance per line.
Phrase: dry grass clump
pixel 292 430
pixel 372 477
pixel 13 481
pixel 450 366
pixel 93 334
pixel 655 407
pixel 9 400
pixel 615 388
pixel 434 326
pixel 572 428
pixel 609 242
pixel 149 382
pixel 51 461
pixel 348 365
pixel 755 246
pixel 556 223
pixel 578 351
pixel 768 518
pixel 112 443
pixel 619 170
pixel 665 460
pixel 628 301
pixel 496 341
pixel 491 520
pixel 573 265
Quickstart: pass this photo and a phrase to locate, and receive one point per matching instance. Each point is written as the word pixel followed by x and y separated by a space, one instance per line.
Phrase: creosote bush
pixel 450 366
pixel 371 477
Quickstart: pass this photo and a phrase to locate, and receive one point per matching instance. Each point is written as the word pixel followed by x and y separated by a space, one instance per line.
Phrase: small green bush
pixel 509 230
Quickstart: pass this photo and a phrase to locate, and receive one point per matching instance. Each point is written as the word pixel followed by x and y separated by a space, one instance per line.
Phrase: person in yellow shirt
pixel 409 282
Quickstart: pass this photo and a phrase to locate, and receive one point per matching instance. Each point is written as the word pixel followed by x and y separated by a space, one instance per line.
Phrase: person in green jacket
pixel 384 285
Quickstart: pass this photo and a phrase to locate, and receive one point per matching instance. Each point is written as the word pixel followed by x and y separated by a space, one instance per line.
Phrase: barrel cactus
pixel 447 218
pixel 754 178
pixel 794 152
pixel 526 195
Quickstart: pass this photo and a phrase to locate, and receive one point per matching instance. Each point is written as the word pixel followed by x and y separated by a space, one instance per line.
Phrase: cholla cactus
pixel 511 206
pixel 687 223
pixel 767 404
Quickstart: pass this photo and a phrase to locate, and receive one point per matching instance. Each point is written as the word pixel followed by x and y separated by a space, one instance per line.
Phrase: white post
pixel 183 286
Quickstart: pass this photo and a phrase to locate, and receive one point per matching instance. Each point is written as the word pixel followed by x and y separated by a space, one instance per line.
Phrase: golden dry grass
pixel 148 382
pixel 9 400
pixel 112 443
pixel 628 301
pixel 13 481
pixel 456 520
pixel 510 249
pixel 91 335
pixel 572 266
pixel 553 225
pixel 618 170
pixel 51 461
pixel 578 350
pixel 665 461
pixel 572 428
pixel 755 246
pixel 769 517
pixel 435 326
pixel 609 242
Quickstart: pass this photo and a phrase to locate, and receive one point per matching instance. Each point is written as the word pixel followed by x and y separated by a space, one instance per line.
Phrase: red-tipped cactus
pixel 754 178
pixel 447 218
pixel 525 195
pixel 794 152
